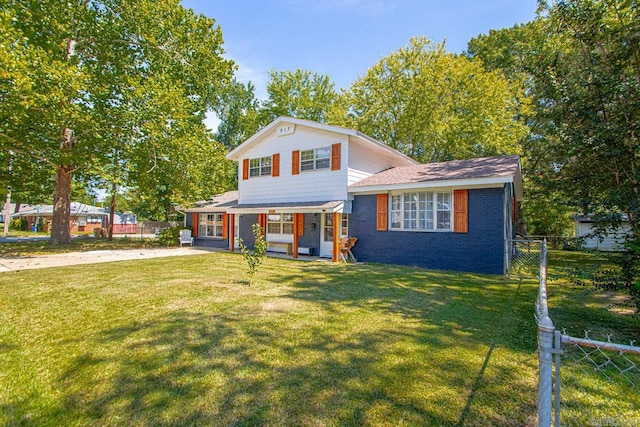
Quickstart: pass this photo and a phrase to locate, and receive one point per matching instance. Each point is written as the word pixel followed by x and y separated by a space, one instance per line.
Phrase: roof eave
pixel 458 183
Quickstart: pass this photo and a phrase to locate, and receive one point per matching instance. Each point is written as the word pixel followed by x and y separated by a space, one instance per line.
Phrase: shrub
pixel 18 224
pixel 169 236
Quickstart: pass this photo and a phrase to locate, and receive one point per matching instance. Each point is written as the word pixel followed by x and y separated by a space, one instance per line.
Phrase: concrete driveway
pixel 92 257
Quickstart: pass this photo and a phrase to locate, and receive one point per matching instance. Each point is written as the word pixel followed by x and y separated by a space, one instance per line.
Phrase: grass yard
pixel 183 341
pixel 42 247
pixel 590 395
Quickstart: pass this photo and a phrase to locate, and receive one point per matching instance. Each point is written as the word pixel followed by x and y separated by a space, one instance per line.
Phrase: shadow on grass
pixel 194 369
pixel 334 345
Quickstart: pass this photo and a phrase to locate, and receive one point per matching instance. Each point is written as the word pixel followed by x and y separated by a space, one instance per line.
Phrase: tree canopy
pixel 433 105
pixel 300 93
pixel 109 91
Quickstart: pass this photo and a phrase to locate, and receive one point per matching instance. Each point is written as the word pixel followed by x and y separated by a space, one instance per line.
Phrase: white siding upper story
pixel 366 160
pixel 359 157
pixel 312 185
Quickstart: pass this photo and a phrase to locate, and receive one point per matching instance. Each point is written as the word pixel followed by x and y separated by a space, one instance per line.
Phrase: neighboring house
pixel 83 217
pixel 587 238
pixel 308 184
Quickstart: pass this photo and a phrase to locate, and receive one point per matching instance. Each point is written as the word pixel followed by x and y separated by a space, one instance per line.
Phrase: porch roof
pixel 290 207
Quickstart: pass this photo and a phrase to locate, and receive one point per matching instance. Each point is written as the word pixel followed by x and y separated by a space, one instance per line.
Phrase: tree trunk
pixel 112 210
pixel 60 231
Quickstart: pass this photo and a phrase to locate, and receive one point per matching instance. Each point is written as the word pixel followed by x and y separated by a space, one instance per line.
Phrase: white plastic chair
pixel 185 237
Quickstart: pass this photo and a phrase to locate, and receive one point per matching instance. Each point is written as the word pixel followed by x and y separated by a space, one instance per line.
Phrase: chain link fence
pixel 524 257
pixel 583 381
pixel 603 369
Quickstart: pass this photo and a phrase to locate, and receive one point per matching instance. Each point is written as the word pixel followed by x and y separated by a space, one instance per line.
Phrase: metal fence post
pixel 546 331
pixel 545 358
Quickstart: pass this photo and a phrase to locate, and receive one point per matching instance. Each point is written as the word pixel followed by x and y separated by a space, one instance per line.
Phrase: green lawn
pixel 183 341
pixel 590 395
pixel 42 247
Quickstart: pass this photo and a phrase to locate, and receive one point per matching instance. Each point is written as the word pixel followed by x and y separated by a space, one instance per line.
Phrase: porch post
pixel 336 236
pixel 232 228
pixel 295 234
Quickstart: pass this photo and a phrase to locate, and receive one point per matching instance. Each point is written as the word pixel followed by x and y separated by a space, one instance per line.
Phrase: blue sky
pixel 343 38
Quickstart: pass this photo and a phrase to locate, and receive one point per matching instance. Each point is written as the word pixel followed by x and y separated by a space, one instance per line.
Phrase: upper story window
pixel 319 158
pixel 260 166
pixel 427 211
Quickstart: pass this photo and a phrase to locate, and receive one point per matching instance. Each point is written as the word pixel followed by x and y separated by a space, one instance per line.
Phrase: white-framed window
pixel 280 223
pixel 328 226
pixel 423 211
pixel 344 226
pixel 210 225
pixel 319 158
pixel 260 166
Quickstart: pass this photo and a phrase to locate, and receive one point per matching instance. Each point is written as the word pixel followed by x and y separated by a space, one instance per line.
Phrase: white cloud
pixel 211 121
pixel 259 77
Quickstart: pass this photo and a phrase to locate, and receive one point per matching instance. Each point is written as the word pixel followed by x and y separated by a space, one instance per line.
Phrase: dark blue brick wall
pixel 188 217
pixel 205 241
pixel 311 237
pixel 480 250
pixel 211 243
pixel 245 228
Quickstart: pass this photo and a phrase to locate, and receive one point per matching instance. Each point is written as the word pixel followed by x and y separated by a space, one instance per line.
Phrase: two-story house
pixel 308 184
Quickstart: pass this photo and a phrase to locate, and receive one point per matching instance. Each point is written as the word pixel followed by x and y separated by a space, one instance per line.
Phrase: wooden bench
pixel 281 247
pixel 287 248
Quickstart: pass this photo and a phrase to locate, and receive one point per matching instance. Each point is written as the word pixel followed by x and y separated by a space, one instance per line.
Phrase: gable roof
pixel 236 153
pixel 487 170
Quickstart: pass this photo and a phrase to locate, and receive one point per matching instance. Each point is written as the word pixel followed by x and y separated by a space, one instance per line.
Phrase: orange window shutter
pixel 300 223
pixel 335 157
pixel 295 162
pixel 194 231
pixel 262 221
pixel 382 208
pixel 275 165
pixel 245 169
pixel 461 211
pixel 225 226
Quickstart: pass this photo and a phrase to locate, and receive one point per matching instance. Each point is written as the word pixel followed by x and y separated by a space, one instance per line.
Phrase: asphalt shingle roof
pixel 484 167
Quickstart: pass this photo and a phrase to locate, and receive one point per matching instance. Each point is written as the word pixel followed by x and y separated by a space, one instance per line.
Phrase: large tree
pixel 589 77
pixel 300 93
pixel 109 90
pixel 515 52
pixel 238 111
pixel 433 105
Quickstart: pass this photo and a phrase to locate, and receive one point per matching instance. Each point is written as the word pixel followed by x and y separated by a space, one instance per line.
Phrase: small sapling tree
pixel 254 258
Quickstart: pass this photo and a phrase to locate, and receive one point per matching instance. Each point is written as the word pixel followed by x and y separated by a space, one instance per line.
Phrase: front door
pixel 326 235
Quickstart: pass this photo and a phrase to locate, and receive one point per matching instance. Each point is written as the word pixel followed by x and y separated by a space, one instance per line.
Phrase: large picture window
pixel 210 225
pixel 319 158
pixel 427 210
pixel 280 223
pixel 260 166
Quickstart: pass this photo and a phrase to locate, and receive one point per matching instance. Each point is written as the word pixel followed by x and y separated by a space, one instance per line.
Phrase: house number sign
pixel 286 130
